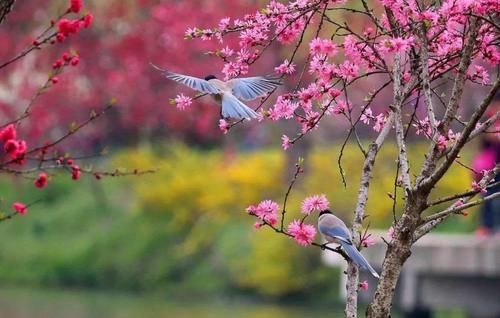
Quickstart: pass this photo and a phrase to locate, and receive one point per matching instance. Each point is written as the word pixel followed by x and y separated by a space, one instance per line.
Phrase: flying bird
pixel 334 230
pixel 228 93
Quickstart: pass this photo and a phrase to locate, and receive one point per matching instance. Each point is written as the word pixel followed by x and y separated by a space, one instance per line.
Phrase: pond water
pixel 50 303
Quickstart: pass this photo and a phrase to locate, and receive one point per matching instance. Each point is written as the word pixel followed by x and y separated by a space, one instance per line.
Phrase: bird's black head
pixel 325 212
pixel 209 77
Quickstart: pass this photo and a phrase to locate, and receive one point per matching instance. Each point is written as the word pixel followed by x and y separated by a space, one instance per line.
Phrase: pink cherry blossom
pixel 397 44
pixel 226 52
pixel 283 108
pixel 285 68
pixel 224 23
pixel 266 210
pixel 424 127
pixel 441 143
pixel 285 142
pixel 366 116
pixel 322 46
pixel 182 102
pixel 368 241
pixel 302 233
pixel 223 126
pixel 380 121
pixel 315 202
pixel 479 74
pixel 342 107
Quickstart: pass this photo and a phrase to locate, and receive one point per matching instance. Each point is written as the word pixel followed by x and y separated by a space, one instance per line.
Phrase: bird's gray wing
pixel 248 88
pixel 338 232
pixel 198 84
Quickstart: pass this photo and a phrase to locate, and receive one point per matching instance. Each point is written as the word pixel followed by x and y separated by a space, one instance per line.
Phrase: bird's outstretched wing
pixel 195 83
pixel 248 88
pixel 234 108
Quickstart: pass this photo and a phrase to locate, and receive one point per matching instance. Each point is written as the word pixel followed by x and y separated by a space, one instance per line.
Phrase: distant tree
pixel 33 137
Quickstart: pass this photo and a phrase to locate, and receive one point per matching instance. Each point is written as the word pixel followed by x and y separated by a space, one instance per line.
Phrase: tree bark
pixel 398 251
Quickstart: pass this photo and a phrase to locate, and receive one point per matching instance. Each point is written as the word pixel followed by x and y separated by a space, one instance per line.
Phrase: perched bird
pixel 227 92
pixel 334 230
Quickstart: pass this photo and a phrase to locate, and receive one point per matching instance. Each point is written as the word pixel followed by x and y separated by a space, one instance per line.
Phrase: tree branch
pixel 435 219
pixel 364 184
pixel 464 137
pixel 439 217
pixel 459 195
pixel 432 155
pixel 400 134
pixel 458 85
pixel 426 85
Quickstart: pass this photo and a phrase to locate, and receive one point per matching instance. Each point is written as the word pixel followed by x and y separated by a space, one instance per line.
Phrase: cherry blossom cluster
pixel 66 59
pixel 267 212
pixel 59 65
pixel 13 147
pixel 277 21
pixel 70 163
pixel 336 62
pixel 66 27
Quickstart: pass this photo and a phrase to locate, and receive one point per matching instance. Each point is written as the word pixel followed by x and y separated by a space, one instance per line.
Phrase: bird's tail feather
pixel 234 108
pixel 358 258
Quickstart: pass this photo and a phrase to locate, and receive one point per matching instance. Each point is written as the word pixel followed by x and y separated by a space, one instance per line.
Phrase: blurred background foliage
pixel 184 231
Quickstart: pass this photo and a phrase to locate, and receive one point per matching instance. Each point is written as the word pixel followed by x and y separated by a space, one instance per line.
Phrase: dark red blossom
pixel 60 37
pixel 41 181
pixel 20 208
pixel 66 56
pixel 11 146
pixel 75 172
pixel 66 26
pixel 8 133
pixel 87 20
pixel 57 64
pixel 75 6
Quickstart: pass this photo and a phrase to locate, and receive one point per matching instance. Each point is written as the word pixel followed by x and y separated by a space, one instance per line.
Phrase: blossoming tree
pixel 26 151
pixel 425 54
